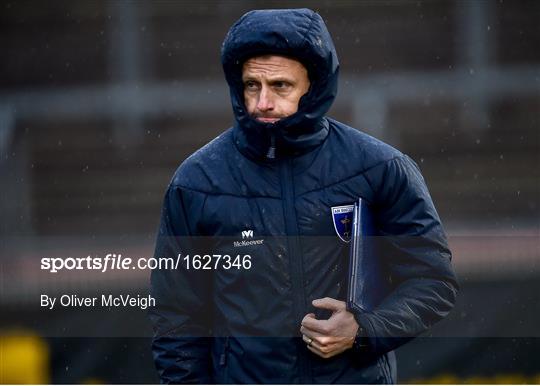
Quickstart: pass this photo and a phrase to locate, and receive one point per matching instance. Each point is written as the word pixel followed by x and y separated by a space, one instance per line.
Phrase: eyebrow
pixel 278 78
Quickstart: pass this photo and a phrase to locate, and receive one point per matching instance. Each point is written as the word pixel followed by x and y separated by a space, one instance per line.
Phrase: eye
pixel 282 86
pixel 250 85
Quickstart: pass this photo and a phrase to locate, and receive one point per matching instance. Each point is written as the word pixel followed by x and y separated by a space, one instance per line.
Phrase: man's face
pixel 273 85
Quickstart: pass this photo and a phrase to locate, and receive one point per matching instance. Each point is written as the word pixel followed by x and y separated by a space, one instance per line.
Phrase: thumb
pixel 329 304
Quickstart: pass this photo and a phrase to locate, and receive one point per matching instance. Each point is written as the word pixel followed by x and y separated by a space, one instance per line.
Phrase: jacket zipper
pixel 223 360
pixel 295 254
pixel 271 153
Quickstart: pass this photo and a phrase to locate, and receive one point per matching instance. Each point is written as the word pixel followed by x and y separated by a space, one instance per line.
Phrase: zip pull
pixel 271 154
pixel 223 356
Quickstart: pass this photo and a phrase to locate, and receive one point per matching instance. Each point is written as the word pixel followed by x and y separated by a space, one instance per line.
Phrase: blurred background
pixel 101 101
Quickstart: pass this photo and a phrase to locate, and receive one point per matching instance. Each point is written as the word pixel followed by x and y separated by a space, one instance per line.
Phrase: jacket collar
pixel 269 142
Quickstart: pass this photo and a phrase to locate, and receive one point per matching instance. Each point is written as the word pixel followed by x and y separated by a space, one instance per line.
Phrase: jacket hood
pixel 297 33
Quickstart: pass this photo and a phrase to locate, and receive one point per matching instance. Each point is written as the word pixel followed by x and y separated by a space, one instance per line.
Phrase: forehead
pixel 273 65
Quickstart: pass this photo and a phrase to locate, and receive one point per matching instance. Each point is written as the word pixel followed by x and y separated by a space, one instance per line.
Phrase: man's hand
pixel 327 338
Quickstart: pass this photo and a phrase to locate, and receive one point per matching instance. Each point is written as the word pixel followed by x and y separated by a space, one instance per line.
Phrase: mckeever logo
pixel 247 234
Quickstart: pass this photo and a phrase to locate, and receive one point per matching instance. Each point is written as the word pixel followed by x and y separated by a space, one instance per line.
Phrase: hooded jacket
pixel 266 191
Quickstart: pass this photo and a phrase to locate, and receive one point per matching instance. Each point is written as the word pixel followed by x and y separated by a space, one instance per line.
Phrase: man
pixel 265 189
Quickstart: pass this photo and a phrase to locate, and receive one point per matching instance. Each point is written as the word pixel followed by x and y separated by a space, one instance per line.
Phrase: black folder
pixel 368 284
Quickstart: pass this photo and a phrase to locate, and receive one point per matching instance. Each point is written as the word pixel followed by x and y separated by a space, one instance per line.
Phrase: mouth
pixel 267 119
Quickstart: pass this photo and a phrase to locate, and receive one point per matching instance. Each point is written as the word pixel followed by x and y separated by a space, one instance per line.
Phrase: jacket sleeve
pixel 181 318
pixel 415 256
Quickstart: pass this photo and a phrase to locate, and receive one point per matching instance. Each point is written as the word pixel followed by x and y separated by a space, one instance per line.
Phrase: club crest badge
pixel 343 218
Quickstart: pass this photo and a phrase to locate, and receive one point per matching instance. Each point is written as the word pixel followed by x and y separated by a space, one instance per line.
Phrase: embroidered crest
pixel 343 218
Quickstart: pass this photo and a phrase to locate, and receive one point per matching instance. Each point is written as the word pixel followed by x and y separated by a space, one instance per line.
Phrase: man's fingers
pixel 310 342
pixel 310 333
pixel 324 354
pixel 320 326
pixel 314 344
pixel 315 351
pixel 329 304
pixel 321 339
pixel 324 348
pixel 311 315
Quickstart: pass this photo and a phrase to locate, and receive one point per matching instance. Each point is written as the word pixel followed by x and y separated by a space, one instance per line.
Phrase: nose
pixel 265 102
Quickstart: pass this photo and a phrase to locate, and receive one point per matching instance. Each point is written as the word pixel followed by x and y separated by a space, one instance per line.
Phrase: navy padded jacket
pixel 280 181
